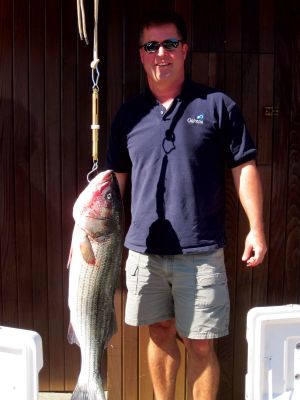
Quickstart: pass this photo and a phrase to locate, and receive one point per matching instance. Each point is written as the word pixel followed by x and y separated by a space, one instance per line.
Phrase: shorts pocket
pixel 137 273
pixel 131 269
pixel 211 280
pixel 212 290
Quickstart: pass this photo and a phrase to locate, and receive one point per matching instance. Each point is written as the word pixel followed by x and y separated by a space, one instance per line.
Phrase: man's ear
pixel 142 53
pixel 185 49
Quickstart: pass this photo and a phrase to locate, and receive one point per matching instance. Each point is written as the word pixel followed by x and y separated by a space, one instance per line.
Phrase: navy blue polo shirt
pixel 177 160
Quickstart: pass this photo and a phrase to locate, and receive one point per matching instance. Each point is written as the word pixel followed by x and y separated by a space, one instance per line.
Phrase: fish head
pixel 98 208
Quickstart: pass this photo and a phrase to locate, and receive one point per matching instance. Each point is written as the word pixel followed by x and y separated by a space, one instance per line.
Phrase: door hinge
pixel 271 112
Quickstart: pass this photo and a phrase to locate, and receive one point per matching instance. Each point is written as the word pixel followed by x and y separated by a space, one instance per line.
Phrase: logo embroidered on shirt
pixel 196 120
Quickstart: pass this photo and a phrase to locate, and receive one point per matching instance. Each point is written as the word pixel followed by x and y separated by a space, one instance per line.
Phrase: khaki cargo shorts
pixel 192 288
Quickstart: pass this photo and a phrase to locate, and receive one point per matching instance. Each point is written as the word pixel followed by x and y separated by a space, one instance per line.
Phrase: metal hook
pixel 94 169
pixel 96 71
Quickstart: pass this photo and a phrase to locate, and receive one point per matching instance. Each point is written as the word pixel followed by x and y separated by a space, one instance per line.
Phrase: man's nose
pixel 161 50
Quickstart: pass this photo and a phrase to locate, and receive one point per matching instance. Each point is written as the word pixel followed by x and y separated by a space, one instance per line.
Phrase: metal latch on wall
pixel 271 112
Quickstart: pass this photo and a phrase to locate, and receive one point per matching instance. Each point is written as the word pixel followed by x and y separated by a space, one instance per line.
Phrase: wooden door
pixel 249 50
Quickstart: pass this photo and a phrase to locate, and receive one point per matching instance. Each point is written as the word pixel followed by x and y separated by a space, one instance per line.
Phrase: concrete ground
pixel 54 396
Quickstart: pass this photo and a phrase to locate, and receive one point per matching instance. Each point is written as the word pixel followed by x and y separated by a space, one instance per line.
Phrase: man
pixel 175 139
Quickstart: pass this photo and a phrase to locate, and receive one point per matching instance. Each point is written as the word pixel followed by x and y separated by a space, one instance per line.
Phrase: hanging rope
pixel 95 78
pixel 81 21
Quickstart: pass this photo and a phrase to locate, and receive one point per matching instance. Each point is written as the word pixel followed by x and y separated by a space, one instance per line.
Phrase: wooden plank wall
pixel 250 49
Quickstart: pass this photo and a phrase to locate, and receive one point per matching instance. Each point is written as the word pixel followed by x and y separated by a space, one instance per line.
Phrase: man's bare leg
pixel 203 369
pixel 164 359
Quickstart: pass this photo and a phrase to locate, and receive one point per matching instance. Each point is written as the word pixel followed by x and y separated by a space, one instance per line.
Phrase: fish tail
pixel 87 392
pixel 72 336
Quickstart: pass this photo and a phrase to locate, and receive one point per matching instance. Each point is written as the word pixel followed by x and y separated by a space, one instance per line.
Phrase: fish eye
pixel 108 196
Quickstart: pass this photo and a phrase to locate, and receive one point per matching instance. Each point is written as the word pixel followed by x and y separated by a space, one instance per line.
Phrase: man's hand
pixel 255 249
pixel 247 182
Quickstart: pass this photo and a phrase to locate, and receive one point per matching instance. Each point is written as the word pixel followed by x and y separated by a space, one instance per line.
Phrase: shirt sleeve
pixel 117 154
pixel 240 147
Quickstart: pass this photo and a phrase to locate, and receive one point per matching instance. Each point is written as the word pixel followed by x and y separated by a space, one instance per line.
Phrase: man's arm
pixel 247 182
pixel 122 179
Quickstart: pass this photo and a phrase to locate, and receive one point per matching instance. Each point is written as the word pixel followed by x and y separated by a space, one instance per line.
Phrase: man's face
pixel 163 66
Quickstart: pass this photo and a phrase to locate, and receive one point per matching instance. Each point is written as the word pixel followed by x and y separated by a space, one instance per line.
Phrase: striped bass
pixel 94 263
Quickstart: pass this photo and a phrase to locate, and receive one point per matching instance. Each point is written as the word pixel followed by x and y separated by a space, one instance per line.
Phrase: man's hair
pixel 162 17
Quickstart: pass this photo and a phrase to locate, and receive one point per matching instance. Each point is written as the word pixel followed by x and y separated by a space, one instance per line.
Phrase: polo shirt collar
pixel 185 93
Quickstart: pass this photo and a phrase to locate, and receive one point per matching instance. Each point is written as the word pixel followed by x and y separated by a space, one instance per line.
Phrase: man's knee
pixel 162 331
pixel 200 347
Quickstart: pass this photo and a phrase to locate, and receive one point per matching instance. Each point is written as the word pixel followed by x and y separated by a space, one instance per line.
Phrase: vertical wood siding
pixel 250 49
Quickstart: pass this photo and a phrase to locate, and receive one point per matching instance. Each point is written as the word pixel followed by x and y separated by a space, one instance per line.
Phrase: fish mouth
pixel 106 175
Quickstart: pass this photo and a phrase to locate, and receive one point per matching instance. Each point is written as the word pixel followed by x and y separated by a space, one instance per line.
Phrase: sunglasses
pixel 168 44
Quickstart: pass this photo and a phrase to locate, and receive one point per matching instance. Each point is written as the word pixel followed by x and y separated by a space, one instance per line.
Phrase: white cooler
pixel 273 335
pixel 21 359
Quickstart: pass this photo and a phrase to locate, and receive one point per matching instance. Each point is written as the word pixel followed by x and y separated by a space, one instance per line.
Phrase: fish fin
pixel 87 250
pixel 113 327
pixel 72 338
pixel 70 257
pixel 89 391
